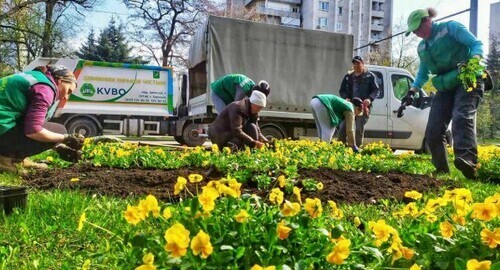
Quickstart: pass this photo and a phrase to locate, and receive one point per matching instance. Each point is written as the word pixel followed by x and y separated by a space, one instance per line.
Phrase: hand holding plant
pixel 468 73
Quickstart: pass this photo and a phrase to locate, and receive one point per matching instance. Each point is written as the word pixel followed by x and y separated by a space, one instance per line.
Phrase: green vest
pixel 14 90
pixel 441 54
pixel 225 88
pixel 336 106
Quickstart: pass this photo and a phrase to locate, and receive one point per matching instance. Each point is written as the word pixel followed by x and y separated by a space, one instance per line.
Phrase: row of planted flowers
pixel 218 227
pixel 285 156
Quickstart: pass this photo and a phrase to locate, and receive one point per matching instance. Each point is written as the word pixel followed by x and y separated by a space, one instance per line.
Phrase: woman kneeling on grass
pixel 27 101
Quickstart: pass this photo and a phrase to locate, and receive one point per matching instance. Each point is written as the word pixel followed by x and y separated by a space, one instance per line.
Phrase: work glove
pixel 67 153
pixel 74 141
pixel 408 99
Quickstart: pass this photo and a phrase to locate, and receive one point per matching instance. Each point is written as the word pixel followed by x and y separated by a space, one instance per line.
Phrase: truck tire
pixel 273 132
pixel 191 135
pixel 83 126
pixel 180 140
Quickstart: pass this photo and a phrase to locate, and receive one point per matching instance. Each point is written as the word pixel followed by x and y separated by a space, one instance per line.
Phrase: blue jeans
pixel 460 107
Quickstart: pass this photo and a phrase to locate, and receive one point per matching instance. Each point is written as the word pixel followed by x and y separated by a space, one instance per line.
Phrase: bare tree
pixel 404 53
pixel 166 25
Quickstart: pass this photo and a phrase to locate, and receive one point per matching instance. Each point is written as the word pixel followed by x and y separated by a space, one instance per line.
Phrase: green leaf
pixel 460 264
pixel 226 247
pixel 240 252
pixel 495 266
pixel 443 264
pixel 373 251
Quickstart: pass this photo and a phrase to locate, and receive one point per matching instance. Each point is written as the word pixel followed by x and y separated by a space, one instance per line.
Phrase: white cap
pixel 258 98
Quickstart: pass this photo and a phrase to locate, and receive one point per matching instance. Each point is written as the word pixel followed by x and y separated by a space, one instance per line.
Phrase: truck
pixel 298 63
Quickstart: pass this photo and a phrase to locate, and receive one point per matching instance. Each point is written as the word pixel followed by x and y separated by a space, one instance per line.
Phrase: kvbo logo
pixel 89 90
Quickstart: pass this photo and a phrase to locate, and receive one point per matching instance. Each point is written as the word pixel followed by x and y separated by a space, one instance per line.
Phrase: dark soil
pixel 340 186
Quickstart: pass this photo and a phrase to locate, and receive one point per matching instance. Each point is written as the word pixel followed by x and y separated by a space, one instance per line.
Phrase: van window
pixel 380 82
pixel 400 85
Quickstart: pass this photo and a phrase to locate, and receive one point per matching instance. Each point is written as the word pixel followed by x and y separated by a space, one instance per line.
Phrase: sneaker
pixel 27 163
pixel 467 168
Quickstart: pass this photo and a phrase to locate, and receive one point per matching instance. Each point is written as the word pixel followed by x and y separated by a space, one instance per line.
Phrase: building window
pixel 322 22
pixel 339 10
pixel 324 6
pixel 295 9
pixel 339 26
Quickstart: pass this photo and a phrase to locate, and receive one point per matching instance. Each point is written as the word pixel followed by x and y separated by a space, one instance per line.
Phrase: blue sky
pixel 99 19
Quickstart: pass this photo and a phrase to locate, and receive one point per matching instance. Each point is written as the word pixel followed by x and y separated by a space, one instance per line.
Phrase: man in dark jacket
pixel 236 126
pixel 359 83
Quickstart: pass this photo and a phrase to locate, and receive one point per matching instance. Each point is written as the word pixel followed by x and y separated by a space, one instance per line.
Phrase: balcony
pixel 377 13
pixel 377 27
pixel 261 9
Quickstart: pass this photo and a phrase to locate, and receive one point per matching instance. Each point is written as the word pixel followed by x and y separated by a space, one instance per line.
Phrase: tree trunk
pixel 47 45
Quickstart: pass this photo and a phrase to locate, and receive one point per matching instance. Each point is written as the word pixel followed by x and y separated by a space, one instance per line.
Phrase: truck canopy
pixel 297 63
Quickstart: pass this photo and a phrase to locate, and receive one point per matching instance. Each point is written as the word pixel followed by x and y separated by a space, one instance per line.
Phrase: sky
pixel 99 19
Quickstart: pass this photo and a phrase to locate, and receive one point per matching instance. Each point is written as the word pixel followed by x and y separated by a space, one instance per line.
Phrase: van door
pixel 377 127
pixel 409 130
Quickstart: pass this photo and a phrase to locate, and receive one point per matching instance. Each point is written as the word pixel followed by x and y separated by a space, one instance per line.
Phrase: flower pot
pixel 11 197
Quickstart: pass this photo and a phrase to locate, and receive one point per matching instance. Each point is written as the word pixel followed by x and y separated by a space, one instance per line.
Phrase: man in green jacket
pixel 443 47
pixel 330 110
pixel 27 101
pixel 234 87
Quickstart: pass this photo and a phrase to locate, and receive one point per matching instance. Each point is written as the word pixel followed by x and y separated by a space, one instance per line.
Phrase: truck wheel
pixel 191 135
pixel 272 132
pixel 83 126
pixel 180 140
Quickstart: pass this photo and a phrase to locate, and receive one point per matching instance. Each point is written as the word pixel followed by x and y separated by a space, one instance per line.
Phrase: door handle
pixel 395 111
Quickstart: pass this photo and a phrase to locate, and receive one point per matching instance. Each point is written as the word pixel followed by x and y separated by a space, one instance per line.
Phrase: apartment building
pixel 494 20
pixel 367 20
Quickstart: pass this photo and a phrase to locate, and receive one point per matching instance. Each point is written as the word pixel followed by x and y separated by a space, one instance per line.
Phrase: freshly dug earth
pixel 340 186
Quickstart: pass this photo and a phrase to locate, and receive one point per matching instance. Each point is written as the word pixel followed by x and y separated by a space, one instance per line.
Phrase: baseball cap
pixel 415 19
pixel 358 58
pixel 258 98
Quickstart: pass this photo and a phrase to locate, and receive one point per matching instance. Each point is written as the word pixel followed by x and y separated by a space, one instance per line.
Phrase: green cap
pixel 415 19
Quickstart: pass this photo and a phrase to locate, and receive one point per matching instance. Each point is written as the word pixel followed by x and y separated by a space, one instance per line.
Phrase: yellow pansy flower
pixel 477 265
pixel 180 185
pixel 177 238
pixel 282 230
pixel 201 245
pixel 276 196
pixel 446 229
pixel 484 211
pixel 195 178
pixel 148 261
pixel 340 252
pixel 132 215
pixel 413 194
pixel 281 181
pixel 290 209
pixel 490 238
pixel 313 207
pixel 242 216
pixel 296 193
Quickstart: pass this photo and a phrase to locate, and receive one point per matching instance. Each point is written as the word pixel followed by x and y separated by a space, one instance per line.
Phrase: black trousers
pixel 15 144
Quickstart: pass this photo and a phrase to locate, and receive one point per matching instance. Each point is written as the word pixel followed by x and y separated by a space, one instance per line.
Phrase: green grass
pixel 45 236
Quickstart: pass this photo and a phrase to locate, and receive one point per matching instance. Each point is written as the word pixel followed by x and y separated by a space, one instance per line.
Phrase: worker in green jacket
pixel 330 110
pixel 234 87
pixel 27 101
pixel 444 46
